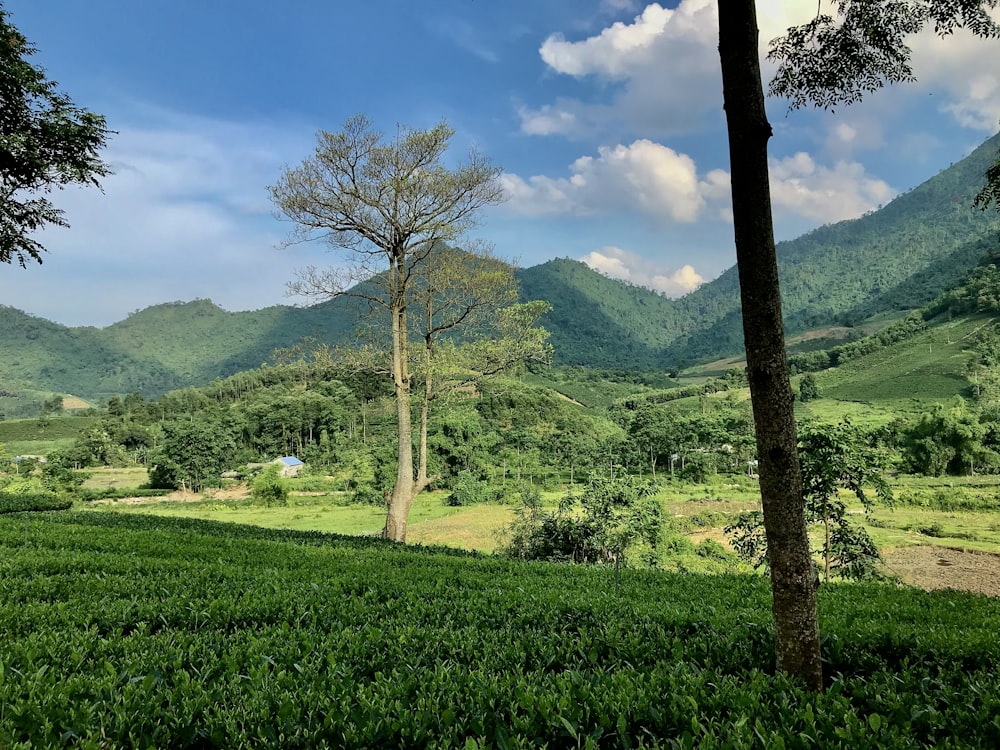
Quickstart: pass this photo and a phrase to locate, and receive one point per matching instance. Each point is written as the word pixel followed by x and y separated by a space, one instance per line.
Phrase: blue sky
pixel 606 116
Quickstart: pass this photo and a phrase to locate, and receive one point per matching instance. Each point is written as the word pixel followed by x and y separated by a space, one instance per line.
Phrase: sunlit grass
pixel 118 478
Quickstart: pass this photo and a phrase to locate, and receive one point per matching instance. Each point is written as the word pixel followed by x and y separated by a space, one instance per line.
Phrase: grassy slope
pixel 901 380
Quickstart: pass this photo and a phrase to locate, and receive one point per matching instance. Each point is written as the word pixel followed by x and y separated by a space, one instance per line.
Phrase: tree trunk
pixel 826 545
pixel 402 493
pixel 792 574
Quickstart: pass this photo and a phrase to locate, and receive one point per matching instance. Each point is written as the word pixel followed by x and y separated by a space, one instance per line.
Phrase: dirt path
pixel 943 568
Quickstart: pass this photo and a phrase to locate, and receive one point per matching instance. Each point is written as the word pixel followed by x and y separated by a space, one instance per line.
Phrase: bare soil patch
pixel 930 567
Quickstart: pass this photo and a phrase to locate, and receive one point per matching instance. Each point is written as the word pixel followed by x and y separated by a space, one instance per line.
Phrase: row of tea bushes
pixel 130 630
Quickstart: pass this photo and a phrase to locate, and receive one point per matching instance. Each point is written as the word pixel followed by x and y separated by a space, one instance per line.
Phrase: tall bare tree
pixel 394 207
pixel 826 62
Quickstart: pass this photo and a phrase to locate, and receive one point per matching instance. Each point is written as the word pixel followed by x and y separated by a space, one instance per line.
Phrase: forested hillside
pixel 897 258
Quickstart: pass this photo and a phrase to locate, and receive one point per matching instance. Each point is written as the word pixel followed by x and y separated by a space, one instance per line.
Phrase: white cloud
pixel 665 68
pixel 186 214
pixel 615 52
pixel 958 67
pixel 549 119
pixel 665 62
pixel 629 266
pixel 618 6
pixel 644 178
pixel 656 182
pixel 826 194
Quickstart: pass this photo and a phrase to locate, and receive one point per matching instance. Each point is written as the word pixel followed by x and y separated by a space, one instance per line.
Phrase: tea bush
pixel 125 630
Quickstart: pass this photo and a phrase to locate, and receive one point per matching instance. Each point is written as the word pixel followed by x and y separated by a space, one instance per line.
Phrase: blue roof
pixel 290 461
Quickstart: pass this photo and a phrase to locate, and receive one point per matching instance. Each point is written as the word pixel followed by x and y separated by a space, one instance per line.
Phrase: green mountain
pixel 899 257
pixel 896 258
pixel 154 350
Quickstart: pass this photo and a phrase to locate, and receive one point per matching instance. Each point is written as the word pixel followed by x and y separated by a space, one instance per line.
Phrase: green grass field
pixel 50 429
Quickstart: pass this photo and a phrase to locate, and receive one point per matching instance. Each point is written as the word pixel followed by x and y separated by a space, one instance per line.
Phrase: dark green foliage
pixel 212 634
pixel 808 390
pixel 194 454
pixel 118 493
pixel 979 292
pixel 46 143
pixel 949 441
pixel 609 518
pixel 20 503
pixel 269 488
pixel 468 490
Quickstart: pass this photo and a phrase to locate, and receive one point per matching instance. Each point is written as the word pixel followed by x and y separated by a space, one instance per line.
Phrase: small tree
pixel 808 390
pixel 600 525
pixel 833 457
pixel 268 487
pixel 45 142
pixel 394 206
pixel 193 454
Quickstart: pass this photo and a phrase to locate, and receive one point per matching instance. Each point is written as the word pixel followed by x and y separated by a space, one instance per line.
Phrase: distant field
pixel 107 477
pixel 44 431
pixel 909 376
pixel 955 513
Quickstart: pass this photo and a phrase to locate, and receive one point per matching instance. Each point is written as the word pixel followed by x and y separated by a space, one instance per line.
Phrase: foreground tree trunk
pixel 792 572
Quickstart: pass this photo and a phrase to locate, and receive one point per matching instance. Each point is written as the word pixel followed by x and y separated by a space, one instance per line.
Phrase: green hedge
pixel 130 630
pixel 22 503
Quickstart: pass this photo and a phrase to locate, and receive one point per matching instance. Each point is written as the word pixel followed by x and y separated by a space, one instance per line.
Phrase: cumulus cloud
pixel 664 65
pixel 615 52
pixel 957 67
pixel 826 194
pixel 185 214
pixel 656 182
pixel 629 266
pixel 644 177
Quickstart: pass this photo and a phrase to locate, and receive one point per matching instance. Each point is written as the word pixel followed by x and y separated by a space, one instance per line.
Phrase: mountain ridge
pixel 900 256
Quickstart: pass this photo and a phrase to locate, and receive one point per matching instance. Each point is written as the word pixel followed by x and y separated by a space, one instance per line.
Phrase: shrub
pixel 116 493
pixel 368 493
pixel 602 525
pixel 712 550
pixel 20 503
pixel 269 488
pixel 468 490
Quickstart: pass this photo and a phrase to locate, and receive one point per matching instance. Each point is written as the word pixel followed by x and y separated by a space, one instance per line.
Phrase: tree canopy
pixel 46 142
pixel 832 61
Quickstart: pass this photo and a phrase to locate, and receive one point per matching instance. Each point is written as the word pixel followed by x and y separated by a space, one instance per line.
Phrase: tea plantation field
pixel 134 630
